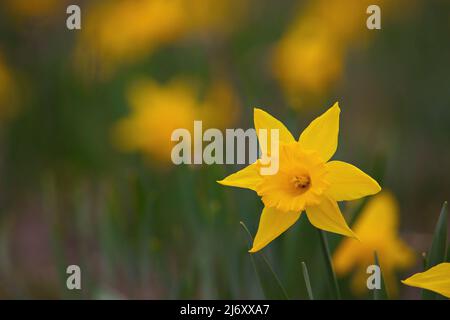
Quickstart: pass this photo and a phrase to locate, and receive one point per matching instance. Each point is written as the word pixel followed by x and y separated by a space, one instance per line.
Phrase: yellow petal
pixel 390 279
pixel 327 216
pixel 436 279
pixel 381 210
pixel 358 283
pixel 347 182
pixel 263 120
pixel 322 134
pixel 248 177
pixel 403 256
pixel 359 280
pixel 272 223
pixel 346 256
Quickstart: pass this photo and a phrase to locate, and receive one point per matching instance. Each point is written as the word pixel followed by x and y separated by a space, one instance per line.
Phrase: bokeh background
pixel 86 117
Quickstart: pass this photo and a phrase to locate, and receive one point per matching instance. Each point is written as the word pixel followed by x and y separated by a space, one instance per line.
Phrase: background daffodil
pixel 158 109
pixel 110 27
pixel 436 279
pixel 306 179
pixel 310 58
pixel 377 228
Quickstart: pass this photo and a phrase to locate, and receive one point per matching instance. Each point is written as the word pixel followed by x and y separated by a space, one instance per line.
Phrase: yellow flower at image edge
pixel 306 179
pixel 436 279
pixel 377 228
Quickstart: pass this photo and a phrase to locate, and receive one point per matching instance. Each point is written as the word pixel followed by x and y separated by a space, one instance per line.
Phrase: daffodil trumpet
pixel 306 179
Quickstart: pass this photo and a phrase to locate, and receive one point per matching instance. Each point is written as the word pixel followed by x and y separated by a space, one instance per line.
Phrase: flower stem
pixel 438 250
pixel 307 282
pixel 380 294
pixel 329 263
pixel 270 283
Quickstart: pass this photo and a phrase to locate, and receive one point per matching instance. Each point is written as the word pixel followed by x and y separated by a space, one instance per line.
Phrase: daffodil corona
pixel 306 179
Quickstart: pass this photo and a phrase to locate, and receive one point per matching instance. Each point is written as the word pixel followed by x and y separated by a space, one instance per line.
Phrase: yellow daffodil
pixel 306 179
pixel 111 27
pixel 157 110
pixel 436 279
pixel 310 57
pixel 377 228
pixel 122 31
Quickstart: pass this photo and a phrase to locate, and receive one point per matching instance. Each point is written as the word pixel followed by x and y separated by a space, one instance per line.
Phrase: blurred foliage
pixel 69 195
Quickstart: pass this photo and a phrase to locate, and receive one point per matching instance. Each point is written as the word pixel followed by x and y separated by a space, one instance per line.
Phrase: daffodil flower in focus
pixel 306 179
pixel 436 279
pixel 377 228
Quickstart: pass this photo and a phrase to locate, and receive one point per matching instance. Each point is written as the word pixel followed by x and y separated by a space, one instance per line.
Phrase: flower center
pixel 301 182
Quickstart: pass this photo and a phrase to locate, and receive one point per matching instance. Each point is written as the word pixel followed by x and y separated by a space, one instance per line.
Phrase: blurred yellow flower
pixel 309 65
pixel 122 31
pixel 215 16
pixel 310 57
pixel 306 179
pixel 157 110
pixel 436 279
pixel 377 228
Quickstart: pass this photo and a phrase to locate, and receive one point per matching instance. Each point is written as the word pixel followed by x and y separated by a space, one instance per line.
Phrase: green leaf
pixel 380 294
pixel 269 281
pixel 438 250
pixel 329 264
pixel 307 282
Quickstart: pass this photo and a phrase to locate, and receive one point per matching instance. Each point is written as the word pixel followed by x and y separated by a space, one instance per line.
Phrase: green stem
pixel 376 293
pixel 329 263
pixel 438 250
pixel 307 281
pixel 267 264
pixel 380 294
